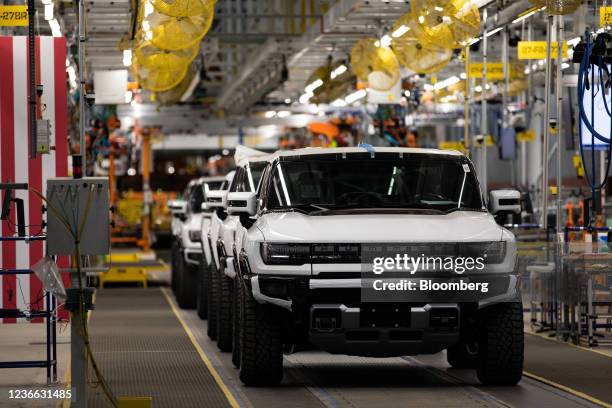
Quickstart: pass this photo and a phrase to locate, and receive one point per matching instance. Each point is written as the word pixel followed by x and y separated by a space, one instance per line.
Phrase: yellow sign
pixel 13 16
pixel 526 136
pixel 448 145
pixel 605 16
pixel 537 50
pixel 495 70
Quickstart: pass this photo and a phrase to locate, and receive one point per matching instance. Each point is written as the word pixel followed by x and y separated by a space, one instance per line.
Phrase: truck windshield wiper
pixel 461 208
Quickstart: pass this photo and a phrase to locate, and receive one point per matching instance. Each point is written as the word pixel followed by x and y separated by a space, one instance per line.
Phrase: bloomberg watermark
pixel 430 272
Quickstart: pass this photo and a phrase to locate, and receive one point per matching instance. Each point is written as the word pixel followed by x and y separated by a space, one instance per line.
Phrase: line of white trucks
pixel 275 256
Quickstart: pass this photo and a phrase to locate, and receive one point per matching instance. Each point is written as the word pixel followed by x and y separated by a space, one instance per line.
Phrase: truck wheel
pixel 236 321
pixel 186 290
pixel 224 313
pixel 500 345
pixel 211 299
pixel 458 356
pixel 202 303
pixel 261 346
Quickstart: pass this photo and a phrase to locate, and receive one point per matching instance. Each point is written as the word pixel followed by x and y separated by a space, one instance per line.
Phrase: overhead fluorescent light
pixel 270 114
pixel 401 30
pixel 574 41
pixel 446 83
pixel 128 96
pixel 565 65
pixel 283 114
pixel 49 11
pixel 338 71
pixel 56 31
pixel 494 31
pixel 148 9
pixel 127 57
pixel 385 41
pixel 428 87
pixel 355 96
pixel 339 103
pixel 312 86
pixel 527 14
pixel 305 98
pixel 463 75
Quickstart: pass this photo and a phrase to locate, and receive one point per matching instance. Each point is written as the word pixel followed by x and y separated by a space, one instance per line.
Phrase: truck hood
pixel 454 227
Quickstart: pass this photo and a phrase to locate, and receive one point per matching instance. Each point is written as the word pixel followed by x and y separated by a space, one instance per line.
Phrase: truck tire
pixel 224 313
pixel 202 303
pixel 501 345
pixel 458 356
pixel 236 322
pixel 261 346
pixel 186 290
pixel 211 298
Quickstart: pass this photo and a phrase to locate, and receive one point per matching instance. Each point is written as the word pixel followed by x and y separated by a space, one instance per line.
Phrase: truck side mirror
pixel 505 202
pixel 178 208
pixel 242 203
pixel 216 199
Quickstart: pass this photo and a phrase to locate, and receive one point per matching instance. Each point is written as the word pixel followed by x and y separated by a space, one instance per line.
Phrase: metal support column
pixel 32 77
pixel 78 352
pixel 546 123
pixel 483 101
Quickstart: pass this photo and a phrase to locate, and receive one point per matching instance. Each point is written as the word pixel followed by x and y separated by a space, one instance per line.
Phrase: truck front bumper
pixel 336 319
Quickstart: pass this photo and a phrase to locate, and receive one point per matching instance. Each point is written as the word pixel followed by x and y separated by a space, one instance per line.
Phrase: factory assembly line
pixel 305 203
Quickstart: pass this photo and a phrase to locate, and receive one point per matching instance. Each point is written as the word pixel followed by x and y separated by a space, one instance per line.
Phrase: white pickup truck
pixel 321 220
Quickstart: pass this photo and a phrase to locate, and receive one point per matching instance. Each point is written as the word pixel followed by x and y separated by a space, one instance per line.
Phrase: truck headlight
pixel 195 235
pixel 493 252
pixel 285 254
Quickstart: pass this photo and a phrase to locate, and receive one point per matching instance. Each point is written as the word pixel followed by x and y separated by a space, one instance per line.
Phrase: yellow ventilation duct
pixel 415 54
pixel 447 23
pixel 183 8
pixel 374 64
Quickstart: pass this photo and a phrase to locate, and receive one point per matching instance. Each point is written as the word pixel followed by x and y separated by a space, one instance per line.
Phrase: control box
pixel 78 204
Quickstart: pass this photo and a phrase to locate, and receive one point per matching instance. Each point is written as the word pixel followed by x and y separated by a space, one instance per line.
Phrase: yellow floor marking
pixel 568 390
pixel 230 398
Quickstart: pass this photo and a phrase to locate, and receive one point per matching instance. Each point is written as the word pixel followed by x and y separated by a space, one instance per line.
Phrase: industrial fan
pixel 159 80
pixel 185 87
pixel 149 56
pixel 335 78
pixel 413 53
pixel 447 23
pixel 183 8
pixel 175 33
pixel 375 64
pixel 558 7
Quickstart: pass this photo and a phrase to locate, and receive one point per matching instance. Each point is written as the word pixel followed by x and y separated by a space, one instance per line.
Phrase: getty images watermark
pixel 392 273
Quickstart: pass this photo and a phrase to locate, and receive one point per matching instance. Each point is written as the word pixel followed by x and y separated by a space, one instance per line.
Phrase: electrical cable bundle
pixel 594 58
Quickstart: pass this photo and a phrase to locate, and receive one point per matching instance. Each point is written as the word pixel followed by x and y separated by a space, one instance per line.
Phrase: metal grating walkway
pixel 143 350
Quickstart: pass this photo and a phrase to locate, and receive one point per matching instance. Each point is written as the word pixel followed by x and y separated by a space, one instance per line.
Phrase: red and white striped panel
pixel 25 291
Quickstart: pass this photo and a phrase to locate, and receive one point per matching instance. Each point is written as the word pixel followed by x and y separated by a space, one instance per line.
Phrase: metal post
pixel 32 79
pixel 546 123
pixel 559 92
pixel 78 352
pixel 82 102
pixel 466 105
pixel 483 101
pixel 528 109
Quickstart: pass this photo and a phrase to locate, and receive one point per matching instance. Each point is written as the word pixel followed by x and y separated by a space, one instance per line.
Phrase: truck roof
pixel 348 150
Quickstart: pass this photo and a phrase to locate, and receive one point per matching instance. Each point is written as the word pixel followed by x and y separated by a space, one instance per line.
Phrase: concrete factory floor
pixel 147 346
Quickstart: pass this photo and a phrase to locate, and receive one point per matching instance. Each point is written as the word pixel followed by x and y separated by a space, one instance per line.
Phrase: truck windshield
pixel 426 183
